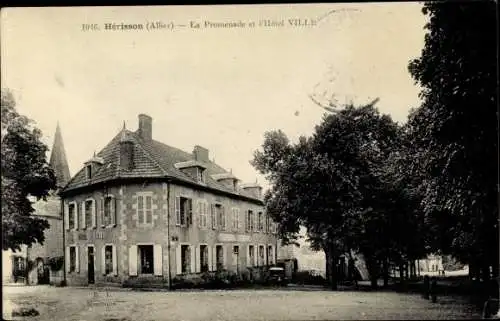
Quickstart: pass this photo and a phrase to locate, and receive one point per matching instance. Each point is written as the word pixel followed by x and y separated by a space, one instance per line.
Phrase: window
pixel 183 211
pixel 249 221
pixel 146 259
pixel 186 258
pixel 235 218
pixel 108 259
pixel 213 216
pixel 203 258
pixel 221 216
pixel 219 257
pixel 144 209
pixel 270 256
pixel 260 222
pixel 72 216
pixel 261 255
pixel 200 175
pixel 202 213
pixel 72 258
pixel 108 211
pixel 88 205
pixel 88 171
pixel 251 255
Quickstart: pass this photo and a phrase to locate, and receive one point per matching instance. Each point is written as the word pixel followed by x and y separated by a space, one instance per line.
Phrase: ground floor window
pixel 146 259
pixel 203 258
pixel 72 258
pixel 270 254
pixel 108 259
pixel 251 255
pixel 261 255
pixel 186 258
pixel 219 257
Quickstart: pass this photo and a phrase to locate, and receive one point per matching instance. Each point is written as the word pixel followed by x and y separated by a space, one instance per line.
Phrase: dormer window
pixel 88 171
pixel 200 176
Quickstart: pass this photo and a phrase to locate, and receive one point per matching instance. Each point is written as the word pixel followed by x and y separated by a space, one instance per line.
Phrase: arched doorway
pixel 43 271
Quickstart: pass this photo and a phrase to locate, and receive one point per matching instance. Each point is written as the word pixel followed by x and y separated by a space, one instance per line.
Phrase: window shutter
pixel 214 258
pixel 177 210
pixel 66 216
pixel 132 260
pixel 77 261
pixel 273 255
pixel 214 217
pixel 158 259
pixel 113 211
pixel 223 213
pixel 249 264
pixel 115 261
pixel 198 259
pixel 178 258
pixel 199 209
pixel 101 208
pixel 190 212
pixel 83 216
pixel 224 256
pixel 94 213
pixel 67 259
pixel 193 259
pixel 210 258
pixel 77 208
pixel 103 260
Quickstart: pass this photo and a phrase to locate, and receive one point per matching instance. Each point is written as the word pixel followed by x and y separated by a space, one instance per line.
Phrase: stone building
pixel 140 211
pixel 42 264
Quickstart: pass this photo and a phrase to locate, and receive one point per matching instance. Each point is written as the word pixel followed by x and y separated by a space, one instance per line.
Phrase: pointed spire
pixel 58 160
pixel 124 127
pixel 124 135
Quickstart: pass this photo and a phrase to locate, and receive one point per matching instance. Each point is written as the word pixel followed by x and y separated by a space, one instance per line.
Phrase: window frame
pixel 180 211
pixel 144 196
pixel 75 216
pixel 139 259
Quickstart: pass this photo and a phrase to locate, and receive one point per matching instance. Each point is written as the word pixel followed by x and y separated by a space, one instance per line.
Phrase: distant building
pixel 142 212
pixel 42 264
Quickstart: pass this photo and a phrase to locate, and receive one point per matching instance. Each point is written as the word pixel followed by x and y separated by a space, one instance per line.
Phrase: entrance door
pixel 90 268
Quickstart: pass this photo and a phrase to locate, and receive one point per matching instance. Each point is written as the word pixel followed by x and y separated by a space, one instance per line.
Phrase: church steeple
pixel 58 160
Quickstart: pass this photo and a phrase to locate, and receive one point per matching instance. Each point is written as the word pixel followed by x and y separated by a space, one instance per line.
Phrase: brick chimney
pixel 200 154
pixel 145 127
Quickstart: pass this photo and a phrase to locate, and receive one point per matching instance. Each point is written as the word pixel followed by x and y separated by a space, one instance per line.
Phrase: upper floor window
pixel 202 213
pixel 200 175
pixel 221 216
pixel 72 216
pixel 183 210
pixel 88 211
pixel 108 210
pixel 88 171
pixel 261 222
pixel 145 209
pixel 250 221
pixel 235 218
pixel 213 216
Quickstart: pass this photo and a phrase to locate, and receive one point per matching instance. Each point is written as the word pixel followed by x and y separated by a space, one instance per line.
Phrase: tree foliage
pixel 25 172
pixel 455 130
pixel 343 185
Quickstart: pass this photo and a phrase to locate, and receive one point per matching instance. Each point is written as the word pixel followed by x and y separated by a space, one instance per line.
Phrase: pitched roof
pixel 151 159
pixel 58 160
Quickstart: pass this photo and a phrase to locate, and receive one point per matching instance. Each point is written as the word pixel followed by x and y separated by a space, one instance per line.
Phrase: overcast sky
pixel 218 88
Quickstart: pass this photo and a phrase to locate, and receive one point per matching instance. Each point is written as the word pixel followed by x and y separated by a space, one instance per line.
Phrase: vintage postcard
pixel 249 162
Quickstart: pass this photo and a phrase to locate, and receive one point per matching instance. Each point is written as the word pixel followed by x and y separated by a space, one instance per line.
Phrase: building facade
pixel 143 211
pixel 43 263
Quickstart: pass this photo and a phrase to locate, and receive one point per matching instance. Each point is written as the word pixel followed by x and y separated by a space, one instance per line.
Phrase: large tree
pixel 337 184
pixel 25 174
pixel 455 130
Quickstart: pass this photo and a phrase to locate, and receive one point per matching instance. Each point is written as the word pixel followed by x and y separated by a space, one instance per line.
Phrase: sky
pixel 221 88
